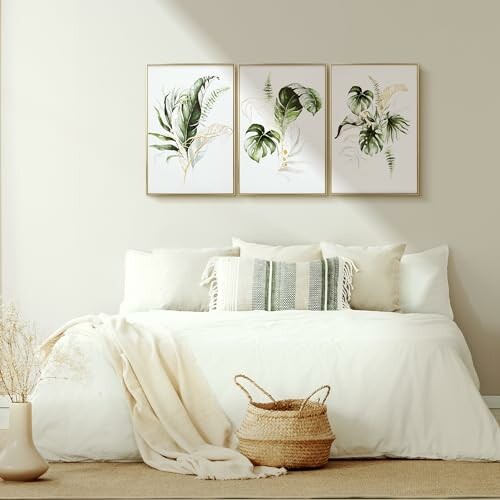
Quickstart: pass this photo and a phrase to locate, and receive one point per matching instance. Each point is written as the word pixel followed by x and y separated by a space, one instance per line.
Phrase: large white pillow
pixel 376 283
pixel 141 283
pixel 424 282
pixel 291 253
pixel 168 279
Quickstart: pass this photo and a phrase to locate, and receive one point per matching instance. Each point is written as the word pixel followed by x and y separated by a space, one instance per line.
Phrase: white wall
pixel 73 143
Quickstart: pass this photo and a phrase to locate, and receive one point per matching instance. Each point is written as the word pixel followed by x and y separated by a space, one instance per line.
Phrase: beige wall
pixel 73 123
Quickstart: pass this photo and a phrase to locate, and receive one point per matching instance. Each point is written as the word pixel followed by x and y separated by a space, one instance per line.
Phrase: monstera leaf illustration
pixel 288 105
pixel 186 115
pixel 260 143
pixel 359 100
pixel 290 102
pixel 287 108
pixel 308 97
pixel 371 139
pixel 395 125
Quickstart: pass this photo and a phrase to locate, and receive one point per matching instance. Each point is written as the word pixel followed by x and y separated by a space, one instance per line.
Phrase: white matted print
pixel 282 132
pixel 374 129
pixel 190 145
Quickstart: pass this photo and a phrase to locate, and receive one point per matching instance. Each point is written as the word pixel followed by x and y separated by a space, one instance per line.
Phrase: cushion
pixel 167 279
pixel 244 284
pixel 292 253
pixel 376 285
pixel 424 282
pixel 140 288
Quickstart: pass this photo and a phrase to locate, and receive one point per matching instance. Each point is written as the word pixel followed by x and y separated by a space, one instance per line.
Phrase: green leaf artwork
pixel 371 140
pixel 378 128
pixel 260 143
pixel 291 101
pixel 182 117
pixel 359 100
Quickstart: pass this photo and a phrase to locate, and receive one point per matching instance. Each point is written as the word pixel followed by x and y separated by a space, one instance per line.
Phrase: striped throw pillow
pixel 245 284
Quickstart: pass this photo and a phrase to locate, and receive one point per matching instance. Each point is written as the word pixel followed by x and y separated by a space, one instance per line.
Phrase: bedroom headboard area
pixel 73 144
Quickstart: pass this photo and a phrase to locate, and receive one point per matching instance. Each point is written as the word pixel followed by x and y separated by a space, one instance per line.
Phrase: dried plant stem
pixel 20 363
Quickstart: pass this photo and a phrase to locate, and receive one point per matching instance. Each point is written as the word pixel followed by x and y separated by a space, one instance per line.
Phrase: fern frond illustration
pixel 268 89
pixel 210 101
pixel 390 159
pixel 377 91
pixel 182 115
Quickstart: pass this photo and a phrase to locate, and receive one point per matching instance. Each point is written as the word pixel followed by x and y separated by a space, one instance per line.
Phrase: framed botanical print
pixel 374 129
pixel 282 129
pixel 190 124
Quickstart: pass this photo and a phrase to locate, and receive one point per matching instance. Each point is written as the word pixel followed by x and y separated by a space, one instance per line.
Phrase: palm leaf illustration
pixel 186 115
pixel 204 138
pixel 395 125
pixel 388 93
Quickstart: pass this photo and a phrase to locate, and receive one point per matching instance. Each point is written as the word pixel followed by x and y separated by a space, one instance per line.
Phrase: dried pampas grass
pixel 21 362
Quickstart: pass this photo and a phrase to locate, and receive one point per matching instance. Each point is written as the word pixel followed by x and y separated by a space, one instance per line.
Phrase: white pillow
pixel 291 253
pixel 141 285
pixel 424 282
pixel 375 287
pixel 168 279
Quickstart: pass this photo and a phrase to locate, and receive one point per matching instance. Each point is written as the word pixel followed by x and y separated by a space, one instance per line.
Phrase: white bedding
pixel 403 384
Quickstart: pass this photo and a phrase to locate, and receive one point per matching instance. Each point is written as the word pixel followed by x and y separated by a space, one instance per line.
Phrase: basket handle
pixel 327 387
pixel 255 385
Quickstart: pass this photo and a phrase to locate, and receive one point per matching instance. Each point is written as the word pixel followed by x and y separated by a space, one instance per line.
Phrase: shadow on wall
pixel 283 34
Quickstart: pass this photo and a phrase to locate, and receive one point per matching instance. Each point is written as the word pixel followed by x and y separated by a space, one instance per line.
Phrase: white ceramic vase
pixel 20 460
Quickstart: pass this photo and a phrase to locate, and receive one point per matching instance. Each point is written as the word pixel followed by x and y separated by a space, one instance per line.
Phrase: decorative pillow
pixel 376 285
pixel 242 284
pixel 292 253
pixel 167 279
pixel 424 282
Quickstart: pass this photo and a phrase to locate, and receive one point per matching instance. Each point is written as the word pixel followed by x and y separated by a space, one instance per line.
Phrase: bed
pixel 404 385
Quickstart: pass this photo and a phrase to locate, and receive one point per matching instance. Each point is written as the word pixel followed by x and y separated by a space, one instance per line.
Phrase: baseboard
pixel 492 401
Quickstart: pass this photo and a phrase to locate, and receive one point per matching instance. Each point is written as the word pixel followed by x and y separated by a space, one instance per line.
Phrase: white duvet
pixel 403 385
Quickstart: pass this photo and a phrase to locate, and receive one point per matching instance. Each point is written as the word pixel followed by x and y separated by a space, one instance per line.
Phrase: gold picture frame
pixel 324 192
pixel 332 101
pixel 233 115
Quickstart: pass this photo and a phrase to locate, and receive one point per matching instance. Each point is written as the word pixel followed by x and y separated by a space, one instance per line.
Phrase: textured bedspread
pixel 403 385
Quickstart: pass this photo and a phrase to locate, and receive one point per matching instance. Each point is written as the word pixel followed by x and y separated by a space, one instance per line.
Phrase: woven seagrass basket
pixel 290 433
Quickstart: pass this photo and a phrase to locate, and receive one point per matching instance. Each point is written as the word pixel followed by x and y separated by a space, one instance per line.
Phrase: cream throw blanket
pixel 178 424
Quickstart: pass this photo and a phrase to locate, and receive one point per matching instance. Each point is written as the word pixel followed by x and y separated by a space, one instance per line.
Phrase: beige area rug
pixel 340 479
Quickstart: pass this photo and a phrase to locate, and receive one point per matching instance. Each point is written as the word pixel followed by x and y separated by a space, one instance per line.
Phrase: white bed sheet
pixel 403 385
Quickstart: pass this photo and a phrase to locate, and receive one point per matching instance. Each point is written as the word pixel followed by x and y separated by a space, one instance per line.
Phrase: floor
pixel 338 479
pixel 39 494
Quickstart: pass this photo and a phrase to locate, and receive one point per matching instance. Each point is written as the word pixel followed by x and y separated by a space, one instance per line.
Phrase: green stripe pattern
pixel 274 286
